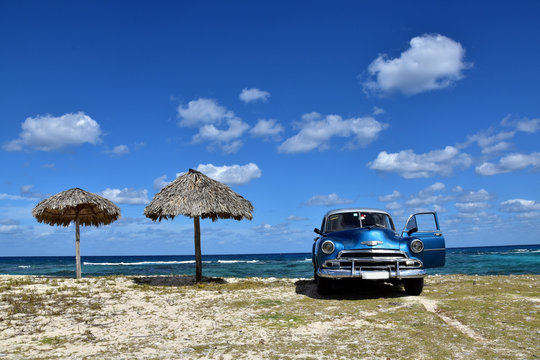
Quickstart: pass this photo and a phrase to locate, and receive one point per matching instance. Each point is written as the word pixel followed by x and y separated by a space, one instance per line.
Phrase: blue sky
pixel 301 107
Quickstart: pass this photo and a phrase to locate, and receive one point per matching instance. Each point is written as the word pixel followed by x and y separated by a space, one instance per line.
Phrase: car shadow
pixel 351 289
pixel 175 280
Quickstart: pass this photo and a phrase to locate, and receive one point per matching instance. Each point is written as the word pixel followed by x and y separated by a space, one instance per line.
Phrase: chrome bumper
pixel 370 274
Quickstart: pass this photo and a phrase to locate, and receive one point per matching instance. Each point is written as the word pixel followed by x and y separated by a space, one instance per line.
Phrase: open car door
pixel 425 226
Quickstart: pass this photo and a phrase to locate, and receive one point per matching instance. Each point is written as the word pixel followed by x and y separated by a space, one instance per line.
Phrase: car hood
pixel 366 238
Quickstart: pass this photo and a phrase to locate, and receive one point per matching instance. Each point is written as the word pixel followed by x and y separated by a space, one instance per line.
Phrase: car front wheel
pixel 414 286
pixel 323 285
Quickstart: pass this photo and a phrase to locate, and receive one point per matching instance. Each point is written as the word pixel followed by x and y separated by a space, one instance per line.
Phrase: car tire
pixel 414 286
pixel 324 285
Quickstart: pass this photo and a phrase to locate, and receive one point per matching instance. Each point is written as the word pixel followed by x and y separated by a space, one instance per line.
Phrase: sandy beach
pixel 458 317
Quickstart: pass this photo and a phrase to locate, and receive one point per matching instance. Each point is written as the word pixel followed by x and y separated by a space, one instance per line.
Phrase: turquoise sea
pixel 501 260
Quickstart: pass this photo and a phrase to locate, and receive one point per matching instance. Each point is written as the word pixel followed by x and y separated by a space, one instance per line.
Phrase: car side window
pixel 426 222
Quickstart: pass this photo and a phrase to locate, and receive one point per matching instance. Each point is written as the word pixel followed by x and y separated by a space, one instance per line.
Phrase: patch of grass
pixel 11 283
pixel 53 341
pixel 27 303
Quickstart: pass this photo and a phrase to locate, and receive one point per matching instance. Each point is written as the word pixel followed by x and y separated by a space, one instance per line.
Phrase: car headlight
pixel 417 246
pixel 328 247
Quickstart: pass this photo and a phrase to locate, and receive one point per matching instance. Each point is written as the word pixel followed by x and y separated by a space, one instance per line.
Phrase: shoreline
pixel 457 316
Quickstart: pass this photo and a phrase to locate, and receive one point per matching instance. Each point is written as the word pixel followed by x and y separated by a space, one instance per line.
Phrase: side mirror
pixel 411 231
pixel 317 231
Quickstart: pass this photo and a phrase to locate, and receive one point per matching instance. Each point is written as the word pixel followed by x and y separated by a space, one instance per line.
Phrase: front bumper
pixel 372 274
pixel 372 264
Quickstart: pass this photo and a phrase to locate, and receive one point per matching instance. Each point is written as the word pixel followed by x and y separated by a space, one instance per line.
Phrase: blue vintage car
pixel 364 244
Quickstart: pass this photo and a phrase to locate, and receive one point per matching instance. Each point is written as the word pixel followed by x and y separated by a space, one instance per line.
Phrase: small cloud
pixel 432 62
pixel 428 196
pixel 471 206
pixel 119 150
pixel 48 133
pixel 160 182
pixel 391 197
pixel 327 200
pixel 393 206
pixel 26 191
pixel 523 125
pixel 226 139
pixel 520 206
pixel 273 230
pixel 377 110
pixel 480 195
pixel 254 94
pixel 509 163
pixel 202 111
pixel 316 132
pixel 296 218
pixel 410 165
pixel 207 115
pixel 126 196
pixel 48 166
pixel 267 128
pixel 233 174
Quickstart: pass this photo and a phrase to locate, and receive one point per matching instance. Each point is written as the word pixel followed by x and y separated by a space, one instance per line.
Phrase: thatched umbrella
pixel 197 196
pixel 79 206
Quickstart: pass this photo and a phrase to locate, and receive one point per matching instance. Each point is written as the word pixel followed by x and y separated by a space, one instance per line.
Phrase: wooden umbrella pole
pixel 198 256
pixel 77 246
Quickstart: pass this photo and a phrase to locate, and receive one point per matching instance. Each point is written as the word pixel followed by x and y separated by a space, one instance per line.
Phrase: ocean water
pixel 504 260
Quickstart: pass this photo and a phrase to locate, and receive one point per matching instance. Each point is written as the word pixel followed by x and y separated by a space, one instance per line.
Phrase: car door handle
pixel 438 234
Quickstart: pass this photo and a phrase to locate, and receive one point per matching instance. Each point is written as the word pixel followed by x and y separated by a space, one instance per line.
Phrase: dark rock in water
pixel 181 280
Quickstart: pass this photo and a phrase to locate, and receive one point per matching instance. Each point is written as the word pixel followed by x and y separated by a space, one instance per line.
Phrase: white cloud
pixel 523 125
pixel 266 128
pixel 480 195
pixel 438 186
pixel 231 175
pixel 8 228
pixel 327 200
pixel 497 148
pixel 391 197
pixel 528 126
pixel 223 137
pixel 13 197
pixel 205 114
pixel 48 133
pixel 393 206
pixel 202 111
pixel 432 62
pixel 520 205
pixel 296 218
pixel 471 207
pixel 126 196
pixel 509 163
pixel 254 94
pixel 485 139
pixel 428 196
pixel 160 182
pixel 410 165
pixel 274 230
pixel 119 150
pixel 315 133
pixel 377 110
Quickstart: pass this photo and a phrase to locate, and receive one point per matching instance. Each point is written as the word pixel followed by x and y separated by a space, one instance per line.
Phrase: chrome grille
pixel 379 254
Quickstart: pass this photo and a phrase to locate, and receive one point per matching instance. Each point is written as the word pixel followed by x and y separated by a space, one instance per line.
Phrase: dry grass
pixel 458 317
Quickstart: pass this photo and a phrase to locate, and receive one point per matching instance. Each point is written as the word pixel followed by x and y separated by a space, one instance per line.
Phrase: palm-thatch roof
pixel 63 208
pixel 196 195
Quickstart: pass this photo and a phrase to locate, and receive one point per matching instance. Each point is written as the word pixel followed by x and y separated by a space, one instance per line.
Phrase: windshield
pixel 354 220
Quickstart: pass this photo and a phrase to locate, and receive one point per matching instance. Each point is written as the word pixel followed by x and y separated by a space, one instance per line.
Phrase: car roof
pixel 360 210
